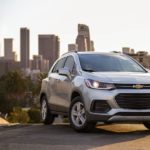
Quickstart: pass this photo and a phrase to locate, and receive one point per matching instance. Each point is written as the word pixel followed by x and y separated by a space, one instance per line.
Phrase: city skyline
pixel 113 24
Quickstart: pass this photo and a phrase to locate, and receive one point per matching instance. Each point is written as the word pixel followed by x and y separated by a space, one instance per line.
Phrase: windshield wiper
pixel 88 70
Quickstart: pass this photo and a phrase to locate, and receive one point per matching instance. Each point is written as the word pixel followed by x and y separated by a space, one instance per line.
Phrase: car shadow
pixel 102 135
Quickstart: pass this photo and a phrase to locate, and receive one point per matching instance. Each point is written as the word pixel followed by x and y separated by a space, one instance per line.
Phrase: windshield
pixel 112 63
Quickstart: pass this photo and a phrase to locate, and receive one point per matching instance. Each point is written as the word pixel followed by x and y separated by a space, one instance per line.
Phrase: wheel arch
pixel 41 96
pixel 75 93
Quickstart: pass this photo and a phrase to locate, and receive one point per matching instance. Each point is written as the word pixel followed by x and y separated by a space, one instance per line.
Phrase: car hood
pixel 122 77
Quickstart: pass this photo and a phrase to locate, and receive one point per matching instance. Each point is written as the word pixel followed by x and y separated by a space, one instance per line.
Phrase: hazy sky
pixel 113 23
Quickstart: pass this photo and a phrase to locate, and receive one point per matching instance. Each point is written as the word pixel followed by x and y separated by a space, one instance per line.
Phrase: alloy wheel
pixel 78 114
pixel 44 109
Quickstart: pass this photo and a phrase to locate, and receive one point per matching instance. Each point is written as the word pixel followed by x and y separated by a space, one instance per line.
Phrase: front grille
pixel 100 106
pixel 131 86
pixel 133 101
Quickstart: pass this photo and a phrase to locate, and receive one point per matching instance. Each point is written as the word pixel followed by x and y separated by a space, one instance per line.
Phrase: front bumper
pixel 116 114
pixel 120 115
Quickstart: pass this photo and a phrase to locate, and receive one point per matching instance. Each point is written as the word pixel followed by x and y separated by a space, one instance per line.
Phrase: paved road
pixel 62 137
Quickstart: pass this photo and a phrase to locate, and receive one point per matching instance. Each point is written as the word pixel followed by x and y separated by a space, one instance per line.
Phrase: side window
pixel 70 63
pixel 59 64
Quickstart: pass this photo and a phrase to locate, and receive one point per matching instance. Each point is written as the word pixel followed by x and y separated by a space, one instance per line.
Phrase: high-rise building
pixel 82 43
pixel 14 56
pixel 92 46
pixel 142 57
pixel 24 47
pixel 48 46
pixel 127 50
pixel 83 38
pixel 8 48
pixel 38 63
pixel 8 65
pixel 72 47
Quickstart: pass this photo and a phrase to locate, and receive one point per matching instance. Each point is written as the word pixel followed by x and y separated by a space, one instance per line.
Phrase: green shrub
pixel 18 116
pixel 35 116
pixel 65 120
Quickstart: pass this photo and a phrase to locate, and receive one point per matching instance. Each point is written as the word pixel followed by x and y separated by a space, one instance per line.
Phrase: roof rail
pixel 73 51
pixel 115 52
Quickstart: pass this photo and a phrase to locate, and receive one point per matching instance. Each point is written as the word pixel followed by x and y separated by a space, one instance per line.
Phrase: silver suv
pixel 90 87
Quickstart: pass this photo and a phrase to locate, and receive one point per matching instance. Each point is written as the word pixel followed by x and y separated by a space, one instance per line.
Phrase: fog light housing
pixel 100 106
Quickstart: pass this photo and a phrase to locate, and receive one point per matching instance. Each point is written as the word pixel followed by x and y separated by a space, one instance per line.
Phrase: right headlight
pixel 99 85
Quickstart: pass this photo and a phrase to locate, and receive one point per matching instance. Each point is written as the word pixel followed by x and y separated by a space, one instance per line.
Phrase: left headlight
pixel 99 85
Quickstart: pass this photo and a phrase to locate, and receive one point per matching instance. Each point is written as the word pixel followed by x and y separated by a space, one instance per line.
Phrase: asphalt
pixel 62 137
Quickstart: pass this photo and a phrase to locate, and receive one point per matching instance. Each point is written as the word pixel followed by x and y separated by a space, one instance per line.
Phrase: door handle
pixel 57 80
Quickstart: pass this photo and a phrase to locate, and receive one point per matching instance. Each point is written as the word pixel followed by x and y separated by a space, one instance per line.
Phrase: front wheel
pixel 147 125
pixel 78 117
pixel 46 115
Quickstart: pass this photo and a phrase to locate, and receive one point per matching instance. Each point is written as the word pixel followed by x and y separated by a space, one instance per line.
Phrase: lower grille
pixel 100 106
pixel 133 101
pixel 133 114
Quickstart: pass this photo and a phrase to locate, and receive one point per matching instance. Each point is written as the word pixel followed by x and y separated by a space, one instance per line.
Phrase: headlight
pixel 99 85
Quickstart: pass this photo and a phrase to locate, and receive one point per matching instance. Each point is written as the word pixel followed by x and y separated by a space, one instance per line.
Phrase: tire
pixel 46 115
pixel 147 125
pixel 77 116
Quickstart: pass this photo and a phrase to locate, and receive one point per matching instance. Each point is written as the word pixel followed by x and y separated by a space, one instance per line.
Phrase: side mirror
pixel 64 71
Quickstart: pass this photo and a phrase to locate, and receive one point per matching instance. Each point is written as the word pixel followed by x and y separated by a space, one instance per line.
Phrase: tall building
pixel 38 63
pixel 142 57
pixel 48 46
pixel 8 65
pixel 82 43
pixel 8 48
pixel 72 47
pixel 14 56
pixel 24 47
pixel 127 50
pixel 83 38
pixel 92 46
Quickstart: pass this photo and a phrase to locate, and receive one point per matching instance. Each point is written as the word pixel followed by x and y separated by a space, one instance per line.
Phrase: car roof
pixel 91 52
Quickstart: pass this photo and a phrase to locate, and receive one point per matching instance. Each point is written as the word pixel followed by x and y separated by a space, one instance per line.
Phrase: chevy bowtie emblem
pixel 138 86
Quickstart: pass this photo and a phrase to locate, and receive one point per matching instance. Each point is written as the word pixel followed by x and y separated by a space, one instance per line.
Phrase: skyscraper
pixel 8 48
pixel 82 43
pixel 127 50
pixel 24 47
pixel 38 63
pixel 83 38
pixel 72 47
pixel 92 46
pixel 48 46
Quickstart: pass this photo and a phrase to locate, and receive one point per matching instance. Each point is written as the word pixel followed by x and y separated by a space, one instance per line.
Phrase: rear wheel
pixel 78 117
pixel 46 115
pixel 147 125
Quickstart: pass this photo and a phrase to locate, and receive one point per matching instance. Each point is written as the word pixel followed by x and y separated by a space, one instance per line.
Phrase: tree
pixel 12 90
pixel 14 84
pixel 38 83
pixel 17 90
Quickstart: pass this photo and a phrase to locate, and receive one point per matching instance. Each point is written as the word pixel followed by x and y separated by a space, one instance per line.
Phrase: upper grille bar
pixel 131 86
